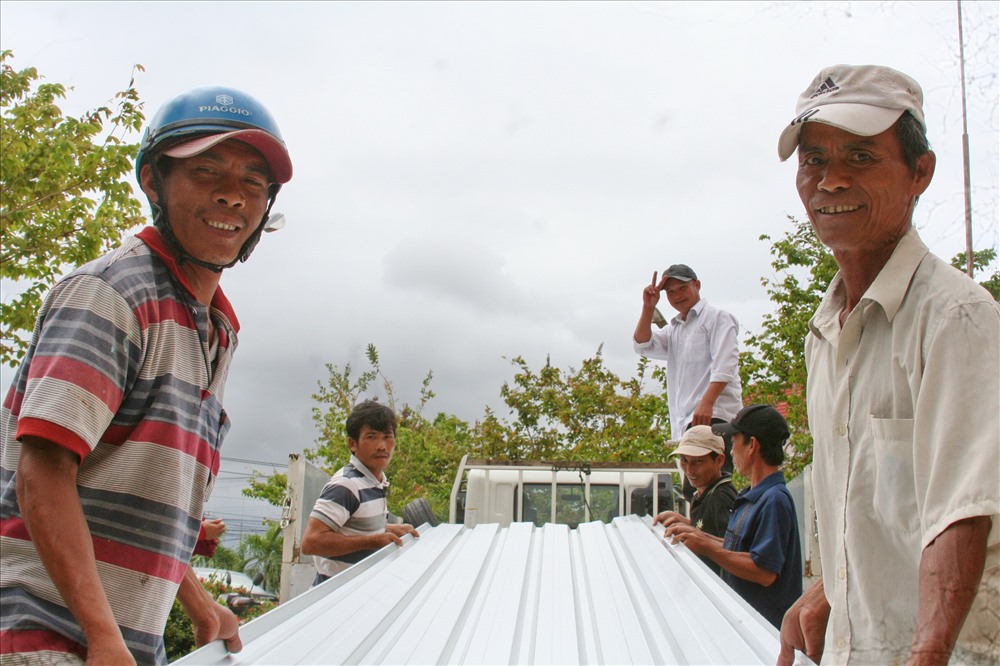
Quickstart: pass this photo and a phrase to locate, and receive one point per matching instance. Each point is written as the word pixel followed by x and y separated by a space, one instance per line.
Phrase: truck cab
pixel 567 493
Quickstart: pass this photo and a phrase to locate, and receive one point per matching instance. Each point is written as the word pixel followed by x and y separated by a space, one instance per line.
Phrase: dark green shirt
pixel 710 511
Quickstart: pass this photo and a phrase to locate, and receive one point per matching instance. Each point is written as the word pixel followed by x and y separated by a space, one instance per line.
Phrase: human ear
pixel 146 182
pixel 924 172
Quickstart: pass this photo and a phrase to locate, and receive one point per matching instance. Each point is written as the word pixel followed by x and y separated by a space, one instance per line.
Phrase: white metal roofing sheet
pixel 600 594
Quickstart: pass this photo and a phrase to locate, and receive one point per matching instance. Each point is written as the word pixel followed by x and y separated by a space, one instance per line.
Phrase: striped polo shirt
pixel 120 372
pixel 352 502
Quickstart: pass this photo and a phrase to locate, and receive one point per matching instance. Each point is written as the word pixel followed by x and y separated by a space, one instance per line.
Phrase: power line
pixel 247 461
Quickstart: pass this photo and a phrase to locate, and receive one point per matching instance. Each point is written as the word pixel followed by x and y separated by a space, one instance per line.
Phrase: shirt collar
pixel 151 237
pixel 893 280
pixel 715 484
pixel 695 309
pixel 887 290
pixel 753 494
pixel 361 467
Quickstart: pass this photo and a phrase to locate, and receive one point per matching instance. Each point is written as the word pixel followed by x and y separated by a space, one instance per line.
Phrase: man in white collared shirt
pixel 701 350
pixel 903 357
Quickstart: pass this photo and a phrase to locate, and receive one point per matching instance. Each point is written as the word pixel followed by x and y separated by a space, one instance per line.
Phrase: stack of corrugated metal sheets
pixel 600 594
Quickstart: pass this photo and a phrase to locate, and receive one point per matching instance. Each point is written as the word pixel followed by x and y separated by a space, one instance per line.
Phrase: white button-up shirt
pixel 699 350
pixel 904 409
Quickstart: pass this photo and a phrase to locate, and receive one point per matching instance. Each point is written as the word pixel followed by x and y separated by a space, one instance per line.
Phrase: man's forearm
pixel 712 393
pixel 193 596
pixel 738 564
pixel 321 540
pixel 51 509
pixel 705 409
pixel 209 620
pixel 643 329
pixel 951 568
pixel 742 566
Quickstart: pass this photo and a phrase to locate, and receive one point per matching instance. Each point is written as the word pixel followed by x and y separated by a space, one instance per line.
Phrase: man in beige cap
pixel 702 454
pixel 903 360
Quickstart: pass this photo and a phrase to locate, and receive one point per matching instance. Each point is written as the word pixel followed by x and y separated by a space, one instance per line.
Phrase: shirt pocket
pixel 894 499
pixel 695 347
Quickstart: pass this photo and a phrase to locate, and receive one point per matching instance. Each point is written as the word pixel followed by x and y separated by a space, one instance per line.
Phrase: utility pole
pixel 965 148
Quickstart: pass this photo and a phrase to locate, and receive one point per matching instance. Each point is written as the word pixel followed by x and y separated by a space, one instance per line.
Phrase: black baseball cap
pixel 680 272
pixel 761 421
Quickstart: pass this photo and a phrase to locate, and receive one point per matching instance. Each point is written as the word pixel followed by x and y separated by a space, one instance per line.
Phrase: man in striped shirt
pixel 348 521
pixel 110 433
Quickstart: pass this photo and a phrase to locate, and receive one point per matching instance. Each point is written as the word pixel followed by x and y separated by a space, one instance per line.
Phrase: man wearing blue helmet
pixel 111 431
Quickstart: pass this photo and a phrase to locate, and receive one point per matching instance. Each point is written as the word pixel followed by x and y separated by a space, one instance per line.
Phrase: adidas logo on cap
pixel 827 86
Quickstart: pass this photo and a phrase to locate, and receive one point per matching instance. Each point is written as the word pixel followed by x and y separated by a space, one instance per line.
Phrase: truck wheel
pixel 419 512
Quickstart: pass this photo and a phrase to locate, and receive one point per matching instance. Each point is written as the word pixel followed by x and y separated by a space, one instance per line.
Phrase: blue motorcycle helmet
pixel 193 122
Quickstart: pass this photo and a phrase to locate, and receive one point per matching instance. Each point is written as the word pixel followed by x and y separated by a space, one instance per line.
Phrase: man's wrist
pixel 929 655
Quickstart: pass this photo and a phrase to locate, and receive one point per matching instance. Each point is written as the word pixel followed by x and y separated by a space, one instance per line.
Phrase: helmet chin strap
pixel 162 224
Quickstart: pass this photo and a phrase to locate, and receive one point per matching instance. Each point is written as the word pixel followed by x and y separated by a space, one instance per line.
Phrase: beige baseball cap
pixel 861 99
pixel 699 441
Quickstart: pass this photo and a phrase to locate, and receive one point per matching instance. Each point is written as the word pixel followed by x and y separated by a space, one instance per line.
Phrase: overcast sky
pixel 477 181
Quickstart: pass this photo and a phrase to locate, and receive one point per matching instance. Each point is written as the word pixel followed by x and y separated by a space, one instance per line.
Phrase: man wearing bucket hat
pixel 760 555
pixel 111 431
pixel 702 454
pixel 903 369
pixel 700 347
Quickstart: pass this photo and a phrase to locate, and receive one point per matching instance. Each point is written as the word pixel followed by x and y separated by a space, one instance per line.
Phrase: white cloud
pixel 475 181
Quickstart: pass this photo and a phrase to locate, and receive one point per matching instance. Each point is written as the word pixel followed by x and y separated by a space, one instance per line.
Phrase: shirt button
pixel 841 430
pixel 841 643
pixel 841 574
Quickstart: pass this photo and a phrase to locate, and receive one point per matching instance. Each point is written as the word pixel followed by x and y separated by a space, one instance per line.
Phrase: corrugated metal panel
pixel 599 594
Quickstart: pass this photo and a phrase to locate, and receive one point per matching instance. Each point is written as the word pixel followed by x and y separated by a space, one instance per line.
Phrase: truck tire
pixel 419 512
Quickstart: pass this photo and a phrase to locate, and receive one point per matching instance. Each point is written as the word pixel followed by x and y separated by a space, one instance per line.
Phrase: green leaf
pixel 64 198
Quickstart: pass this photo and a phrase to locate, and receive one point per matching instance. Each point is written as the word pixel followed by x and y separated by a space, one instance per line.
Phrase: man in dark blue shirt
pixel 760 556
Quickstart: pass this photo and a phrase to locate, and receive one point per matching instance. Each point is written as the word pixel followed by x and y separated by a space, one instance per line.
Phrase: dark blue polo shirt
pixel 763 524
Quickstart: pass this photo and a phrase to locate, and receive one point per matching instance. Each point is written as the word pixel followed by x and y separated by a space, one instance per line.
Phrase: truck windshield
pixel 570 503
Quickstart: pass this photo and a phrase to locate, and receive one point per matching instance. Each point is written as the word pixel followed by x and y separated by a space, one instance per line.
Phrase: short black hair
pixel 373 414
pixel 163 164
pixel 771 450
pixel 912 139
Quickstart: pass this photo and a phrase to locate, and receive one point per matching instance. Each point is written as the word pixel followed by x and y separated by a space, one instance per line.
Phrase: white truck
pixel 489 491
pixel 562 492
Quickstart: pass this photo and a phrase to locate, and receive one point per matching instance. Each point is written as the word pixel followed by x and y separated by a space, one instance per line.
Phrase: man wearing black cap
pixel 700 348
pixel 760 556
pixel 903 358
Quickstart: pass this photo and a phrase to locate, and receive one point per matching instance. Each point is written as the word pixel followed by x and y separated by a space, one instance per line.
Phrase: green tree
pixel 427 451
pixel 269 487
pixel 981 260
pixel 224 558
pixel 261 554
pixel 587 414
pixel 63 194
pixel 772 366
